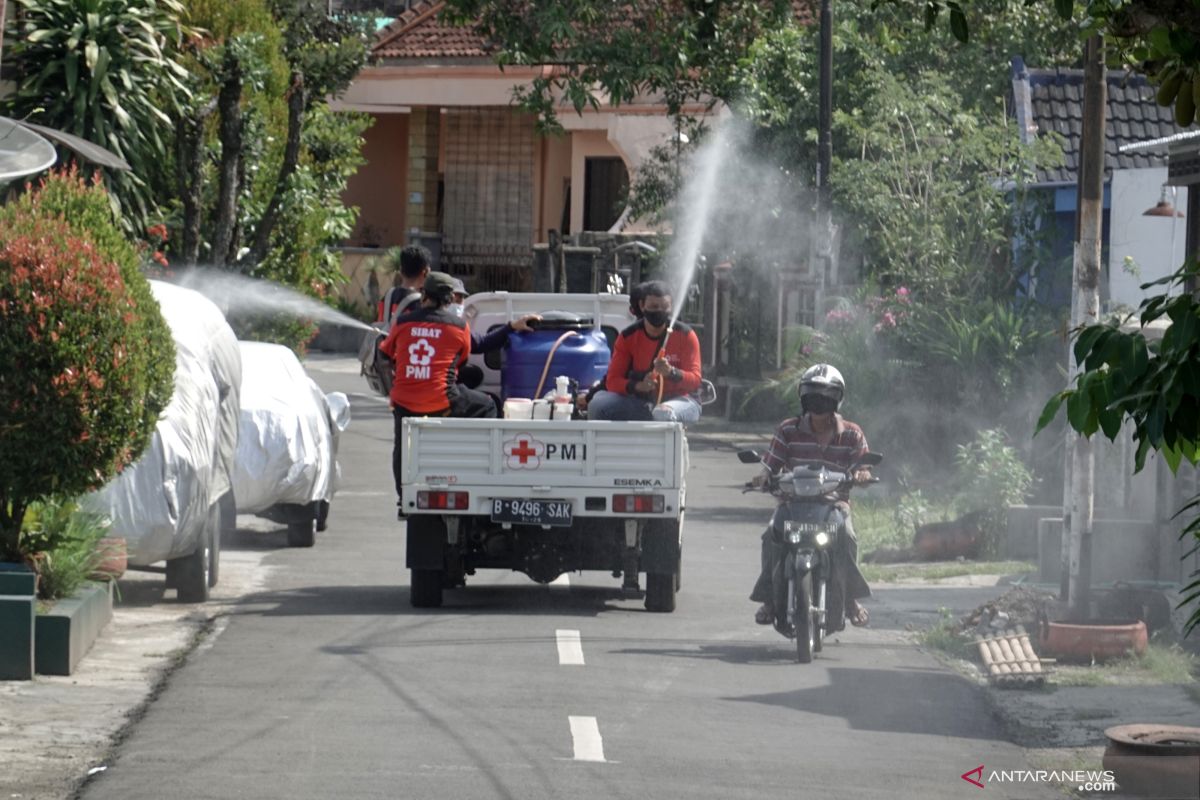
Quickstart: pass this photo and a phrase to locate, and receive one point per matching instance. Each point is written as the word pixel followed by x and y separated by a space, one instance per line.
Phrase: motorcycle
pixel 808 522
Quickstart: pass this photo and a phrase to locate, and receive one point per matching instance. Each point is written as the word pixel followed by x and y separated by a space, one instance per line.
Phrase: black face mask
pixel 657 318
pixel 818 404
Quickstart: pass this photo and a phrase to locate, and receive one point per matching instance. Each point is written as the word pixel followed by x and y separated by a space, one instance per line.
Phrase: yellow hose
pixel 662 382
pixel 546 369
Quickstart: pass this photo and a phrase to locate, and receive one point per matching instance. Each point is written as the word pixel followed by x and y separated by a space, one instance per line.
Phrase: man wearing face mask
pixel 494 339
pixel 819 434
pixel 651 374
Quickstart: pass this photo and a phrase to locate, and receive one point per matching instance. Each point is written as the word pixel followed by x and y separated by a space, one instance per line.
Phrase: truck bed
pixel 584 462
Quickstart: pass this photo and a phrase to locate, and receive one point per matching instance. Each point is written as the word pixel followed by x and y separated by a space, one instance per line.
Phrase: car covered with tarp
pixel 286 467
pixel 167 504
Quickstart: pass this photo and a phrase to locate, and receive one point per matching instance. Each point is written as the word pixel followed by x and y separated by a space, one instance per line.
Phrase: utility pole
pixel 824 233
pixel 1085 308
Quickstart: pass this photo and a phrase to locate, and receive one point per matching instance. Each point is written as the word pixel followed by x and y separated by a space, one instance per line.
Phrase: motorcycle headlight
pixel 822 539
pixel 795 537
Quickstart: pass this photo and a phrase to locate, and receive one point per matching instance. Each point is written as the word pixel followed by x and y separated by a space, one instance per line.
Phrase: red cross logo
pixel 524 452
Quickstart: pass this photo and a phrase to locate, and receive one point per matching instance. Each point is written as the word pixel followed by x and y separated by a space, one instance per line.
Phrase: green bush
pixel 67 539
pixel 81 380
pixel 991 477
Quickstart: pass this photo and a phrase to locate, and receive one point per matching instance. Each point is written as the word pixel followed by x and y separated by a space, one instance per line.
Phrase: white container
pixel 541 409
pixel 518 408
pixel 562 386
pixel 562 409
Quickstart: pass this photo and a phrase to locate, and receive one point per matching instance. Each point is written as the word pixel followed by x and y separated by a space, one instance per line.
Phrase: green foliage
pixel 683 50
pixel 109 72
pixel 991 473
pixel 923 193
pixel 947 637
pixel 66 540
pixel 991 477
pixel 1154 386
pixel 65 195
pixel 312 217
pixel 78 395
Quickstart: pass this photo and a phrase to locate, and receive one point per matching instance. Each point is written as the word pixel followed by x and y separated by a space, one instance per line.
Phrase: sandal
pixel 765 615
pixel 861 617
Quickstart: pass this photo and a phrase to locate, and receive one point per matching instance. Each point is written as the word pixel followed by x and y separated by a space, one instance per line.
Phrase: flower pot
pixel 1154 760
pixel 113 558
pixel 1096 640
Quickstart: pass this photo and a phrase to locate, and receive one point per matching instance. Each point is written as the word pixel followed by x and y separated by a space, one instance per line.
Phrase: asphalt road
pixel 327 684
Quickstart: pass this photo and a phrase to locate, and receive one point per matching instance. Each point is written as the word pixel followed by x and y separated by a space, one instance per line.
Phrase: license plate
pixel 521 511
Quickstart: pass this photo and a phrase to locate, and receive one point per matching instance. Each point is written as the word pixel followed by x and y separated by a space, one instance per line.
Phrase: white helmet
pixel 821 381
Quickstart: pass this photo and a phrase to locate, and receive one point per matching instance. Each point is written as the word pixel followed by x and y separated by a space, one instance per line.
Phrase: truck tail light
pixel 450 501
pixel 638 503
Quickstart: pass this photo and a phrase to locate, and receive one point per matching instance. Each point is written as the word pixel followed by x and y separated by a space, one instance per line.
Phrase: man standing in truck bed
pixel 644 359
pixel 428 346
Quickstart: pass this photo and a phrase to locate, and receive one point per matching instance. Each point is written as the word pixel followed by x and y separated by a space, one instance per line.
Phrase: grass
pixel 892 573
pixel 944 638
pixel 1162 664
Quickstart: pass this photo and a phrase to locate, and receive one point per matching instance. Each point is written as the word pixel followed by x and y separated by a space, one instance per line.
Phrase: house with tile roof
pixel 453 162
pixel 1138 248
pixel 451 158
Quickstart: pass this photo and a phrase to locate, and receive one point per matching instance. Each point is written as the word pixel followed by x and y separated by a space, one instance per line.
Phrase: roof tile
pixel 1056 100
pixel 420 33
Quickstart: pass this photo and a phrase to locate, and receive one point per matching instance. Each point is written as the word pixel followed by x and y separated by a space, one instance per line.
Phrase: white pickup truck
pixel 543 497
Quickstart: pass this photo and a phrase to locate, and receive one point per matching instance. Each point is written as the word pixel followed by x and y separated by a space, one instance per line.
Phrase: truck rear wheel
pixel 660 591
pixel 426 587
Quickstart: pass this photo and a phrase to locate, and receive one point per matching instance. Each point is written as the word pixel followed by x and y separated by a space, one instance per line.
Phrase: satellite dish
pixel 22 152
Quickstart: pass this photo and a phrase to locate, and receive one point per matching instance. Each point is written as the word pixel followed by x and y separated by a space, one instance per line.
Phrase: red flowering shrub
pixel 86 360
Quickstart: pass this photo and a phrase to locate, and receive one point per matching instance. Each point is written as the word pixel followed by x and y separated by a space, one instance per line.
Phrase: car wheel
pixel 228 508
pixel 190 575
pixel 302 533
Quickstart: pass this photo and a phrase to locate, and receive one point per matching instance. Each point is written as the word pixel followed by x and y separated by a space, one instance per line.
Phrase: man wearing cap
pixel 428 346
pixel 497 337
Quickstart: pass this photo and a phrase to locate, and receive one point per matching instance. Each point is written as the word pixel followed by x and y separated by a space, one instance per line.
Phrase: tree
pixel 1160 38
pixel 1154 386
pixel 81 345
pixel 683 50
pixel 109 72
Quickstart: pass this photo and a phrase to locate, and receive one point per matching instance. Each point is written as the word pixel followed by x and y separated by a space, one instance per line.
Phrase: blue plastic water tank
pixel 583 356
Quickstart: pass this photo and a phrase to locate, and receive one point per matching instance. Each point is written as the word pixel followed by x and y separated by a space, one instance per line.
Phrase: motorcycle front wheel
pixel 802 618
pixel 818 626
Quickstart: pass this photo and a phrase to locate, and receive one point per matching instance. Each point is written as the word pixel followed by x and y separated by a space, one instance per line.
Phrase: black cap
pixel 439 285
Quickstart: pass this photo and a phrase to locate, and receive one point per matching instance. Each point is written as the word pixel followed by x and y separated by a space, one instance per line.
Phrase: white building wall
pixel 1148 240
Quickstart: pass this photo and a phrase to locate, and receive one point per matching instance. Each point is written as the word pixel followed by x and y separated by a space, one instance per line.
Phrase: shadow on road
pixel 393 600
pixel 892 701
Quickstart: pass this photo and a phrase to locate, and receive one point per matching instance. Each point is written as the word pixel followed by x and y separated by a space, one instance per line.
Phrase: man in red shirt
pixel 414 266
pixel 819 434
pixel 642 362
pixel 428 346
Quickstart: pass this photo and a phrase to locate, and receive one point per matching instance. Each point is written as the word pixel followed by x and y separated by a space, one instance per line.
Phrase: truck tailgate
pixel 529 453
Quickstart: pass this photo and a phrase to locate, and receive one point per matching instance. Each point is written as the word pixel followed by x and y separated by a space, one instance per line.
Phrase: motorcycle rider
pixel 819 434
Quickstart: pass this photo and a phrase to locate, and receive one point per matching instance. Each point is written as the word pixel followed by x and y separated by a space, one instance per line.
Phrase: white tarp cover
pixel 162 502
pixel 288 438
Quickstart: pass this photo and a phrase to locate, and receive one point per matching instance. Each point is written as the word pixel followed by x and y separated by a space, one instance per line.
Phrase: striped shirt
pixel 796 443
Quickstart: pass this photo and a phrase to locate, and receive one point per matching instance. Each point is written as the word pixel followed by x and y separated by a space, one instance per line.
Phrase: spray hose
pixel 546 369
pixel 662 382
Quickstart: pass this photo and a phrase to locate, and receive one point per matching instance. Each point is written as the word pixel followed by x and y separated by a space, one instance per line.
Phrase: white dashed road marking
pixel 570 650
pixel 586 735
pixel 561 582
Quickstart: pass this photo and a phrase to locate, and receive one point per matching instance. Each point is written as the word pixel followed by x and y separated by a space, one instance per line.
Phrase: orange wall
pixel 585 145
pixel 379 185
pixel 554 169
